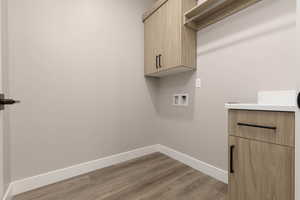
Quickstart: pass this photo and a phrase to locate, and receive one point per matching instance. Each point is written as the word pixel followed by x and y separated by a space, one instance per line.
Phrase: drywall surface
pixel 1 116
pixel 251 51
pixel 4 136
pixel 77 67
pixel 5 88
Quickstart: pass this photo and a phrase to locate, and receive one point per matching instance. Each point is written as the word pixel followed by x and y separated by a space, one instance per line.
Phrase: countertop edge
pixel 282 108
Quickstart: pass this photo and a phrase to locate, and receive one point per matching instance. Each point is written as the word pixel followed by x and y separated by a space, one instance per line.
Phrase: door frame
pixel 1 112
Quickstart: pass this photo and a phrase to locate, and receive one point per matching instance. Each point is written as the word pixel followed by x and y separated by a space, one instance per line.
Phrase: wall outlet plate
pixel 176 100
pixel 180 99
pixel 184 100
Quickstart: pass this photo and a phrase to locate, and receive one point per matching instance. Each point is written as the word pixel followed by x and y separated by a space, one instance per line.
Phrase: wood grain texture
pixel 169 38
pixel 262 171
pixel 152 177
pixel 283 121
pixel 153 8
pixel 153 40
pixel 201 8
pixel 188 38
pixel 171 25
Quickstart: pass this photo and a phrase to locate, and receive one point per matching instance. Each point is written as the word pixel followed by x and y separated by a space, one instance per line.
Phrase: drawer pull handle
pixel 231 159
pixel 159 60
pixel 258 126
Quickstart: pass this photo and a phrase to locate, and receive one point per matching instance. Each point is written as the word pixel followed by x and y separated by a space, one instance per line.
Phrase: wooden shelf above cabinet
pixel 212 11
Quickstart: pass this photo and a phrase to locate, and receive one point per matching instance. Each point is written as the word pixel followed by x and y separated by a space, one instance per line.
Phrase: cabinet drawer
pixel 273 127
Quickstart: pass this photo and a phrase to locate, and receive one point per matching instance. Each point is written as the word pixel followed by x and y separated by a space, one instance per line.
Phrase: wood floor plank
pixel 148 182
pixel 171 190
pixel 103 175
pixel 152 177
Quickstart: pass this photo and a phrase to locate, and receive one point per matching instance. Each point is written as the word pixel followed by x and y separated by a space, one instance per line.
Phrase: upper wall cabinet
pixel 170 47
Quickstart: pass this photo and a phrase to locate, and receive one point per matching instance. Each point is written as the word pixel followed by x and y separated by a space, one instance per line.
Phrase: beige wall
pixel 77 67
pixel 1 115
pixel 251 51
pixel 5 155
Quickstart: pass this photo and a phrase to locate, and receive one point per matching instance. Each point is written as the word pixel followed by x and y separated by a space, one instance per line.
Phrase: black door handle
pixel 156 62
pixel 4 101
pixel 8 101
pixel 298 100
pixel 231 159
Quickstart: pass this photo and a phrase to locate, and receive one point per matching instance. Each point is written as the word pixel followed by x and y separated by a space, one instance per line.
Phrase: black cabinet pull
pixel 156 62
pixel 298 100
pixel 231 159
pixel 257 126
pixel 159 60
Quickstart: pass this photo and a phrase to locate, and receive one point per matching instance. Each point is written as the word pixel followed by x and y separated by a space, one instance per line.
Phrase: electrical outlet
pixel 176 100
pixel 198 83
pixel 184 100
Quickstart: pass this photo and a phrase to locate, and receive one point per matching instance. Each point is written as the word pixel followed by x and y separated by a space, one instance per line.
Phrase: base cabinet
pixel 259 169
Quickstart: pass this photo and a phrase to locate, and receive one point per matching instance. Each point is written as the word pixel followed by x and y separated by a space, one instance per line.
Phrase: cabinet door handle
pixel 298 100
pixel 231 159
pixel 257 126
pixel 159 60
pixel 156 62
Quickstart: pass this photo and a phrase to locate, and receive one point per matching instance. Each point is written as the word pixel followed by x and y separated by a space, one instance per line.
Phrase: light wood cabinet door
pixel 170 49
pixel 152 42
pixel 260 171
pixel 167 38
pixel 178 42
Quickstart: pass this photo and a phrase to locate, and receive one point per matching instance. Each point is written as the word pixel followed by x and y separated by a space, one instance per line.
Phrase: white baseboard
pixel 8 194
pixel 41 180
pixel 203 167
pixel 28 184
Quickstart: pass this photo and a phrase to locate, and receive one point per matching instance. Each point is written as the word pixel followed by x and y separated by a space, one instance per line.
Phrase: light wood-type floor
pixel 152 177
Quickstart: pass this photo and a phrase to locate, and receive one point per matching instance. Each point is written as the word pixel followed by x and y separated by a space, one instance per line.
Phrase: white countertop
pixel 281 100
pixel 265 107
